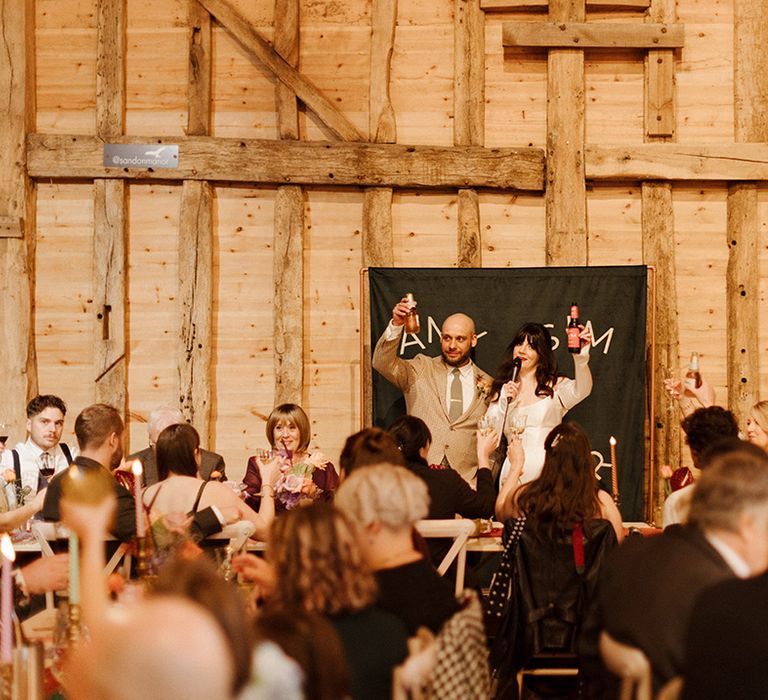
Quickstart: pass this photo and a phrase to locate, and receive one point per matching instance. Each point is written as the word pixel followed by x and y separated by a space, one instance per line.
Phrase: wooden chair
pixel 630 664
pixel 459 530
pixel 237 534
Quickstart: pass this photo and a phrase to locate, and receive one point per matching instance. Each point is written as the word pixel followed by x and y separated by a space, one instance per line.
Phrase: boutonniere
pixel 482 387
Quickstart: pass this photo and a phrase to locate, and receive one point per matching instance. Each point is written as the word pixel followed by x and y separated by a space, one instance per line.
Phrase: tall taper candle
pixel 6 604
pixel 137 470
pixel 614 474
pixel 74 569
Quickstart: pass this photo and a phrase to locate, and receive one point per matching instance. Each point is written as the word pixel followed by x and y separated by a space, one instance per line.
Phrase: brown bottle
pixel 692 376
pixel 412 324
pixel 573 330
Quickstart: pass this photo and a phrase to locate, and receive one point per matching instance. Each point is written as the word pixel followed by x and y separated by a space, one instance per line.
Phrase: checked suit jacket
pixel 423 381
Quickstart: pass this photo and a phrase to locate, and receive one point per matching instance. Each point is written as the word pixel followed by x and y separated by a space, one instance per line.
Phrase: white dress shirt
pixel 31 461
pixel 467 374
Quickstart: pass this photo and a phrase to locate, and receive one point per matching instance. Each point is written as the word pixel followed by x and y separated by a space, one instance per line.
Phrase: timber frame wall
pixel 319 137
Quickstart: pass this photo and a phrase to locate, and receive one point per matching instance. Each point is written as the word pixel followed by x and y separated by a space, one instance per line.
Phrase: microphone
pixel 516 364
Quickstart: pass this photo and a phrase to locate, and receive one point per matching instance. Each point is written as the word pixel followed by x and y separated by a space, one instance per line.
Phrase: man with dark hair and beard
pixel 449 393
pixel 99 431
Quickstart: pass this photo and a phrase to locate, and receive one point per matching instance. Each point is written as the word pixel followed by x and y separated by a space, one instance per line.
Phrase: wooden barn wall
pixel 335 43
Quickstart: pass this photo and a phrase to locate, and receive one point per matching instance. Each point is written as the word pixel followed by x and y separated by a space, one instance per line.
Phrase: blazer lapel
pixel 438 378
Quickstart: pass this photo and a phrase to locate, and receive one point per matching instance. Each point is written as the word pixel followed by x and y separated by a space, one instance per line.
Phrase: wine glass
pixel 3 433
pixel 485 425
pixel 515 426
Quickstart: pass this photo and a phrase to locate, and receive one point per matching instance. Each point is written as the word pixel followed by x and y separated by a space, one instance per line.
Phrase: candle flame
pixel 137 467
pixel 6 547
pixel 612 440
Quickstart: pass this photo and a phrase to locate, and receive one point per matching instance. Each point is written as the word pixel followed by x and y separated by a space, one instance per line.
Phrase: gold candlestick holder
pixel 6 677
pixel 143 568
pixel 73 623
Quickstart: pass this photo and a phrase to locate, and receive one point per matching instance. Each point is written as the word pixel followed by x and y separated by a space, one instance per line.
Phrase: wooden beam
pixel 750 70
pixel 11 227
pixel 52 156
pixel 286 42
pixel 259 48
pixel 288 276
pixel 199 73
pixel 288 243
pixel 18 361
pixel 592 35
pixel 660 93
pixel 659 250
pixel 742 293
pixel 381 120
pixel 195 306
pixel 109 327
pixel 469 74
pixel 109 221
pixel 469 242
pixel 673 161
pixel 566 195
pixel 527 5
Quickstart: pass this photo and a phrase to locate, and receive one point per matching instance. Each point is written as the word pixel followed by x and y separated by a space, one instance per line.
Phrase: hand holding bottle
pixel 402 309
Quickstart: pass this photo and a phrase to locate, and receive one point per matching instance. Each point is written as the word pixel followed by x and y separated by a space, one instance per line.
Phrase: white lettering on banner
pixel 555 339
pixel 600 462
pixel 432 326
pixel 607 336
pixel 433 333
pixel 405 343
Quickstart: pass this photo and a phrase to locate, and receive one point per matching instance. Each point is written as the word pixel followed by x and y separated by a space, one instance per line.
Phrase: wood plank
pixel 309 163
pixel 109 321
pixel 196 306
pixel 672 161
pixel 286 43
pixel 381 115
pixel 11 227
pixel 660 93
pixel 377 227
pixel 260 49
pixel 526 5
pixel 566 197
pixel 659 251
pixel 200 66
pixel 742 296
pixel 469 74
pixel 469 245
pixel 18 361
pixel 110 68
pixel 288 277
pixel 592 35
pixel 750 70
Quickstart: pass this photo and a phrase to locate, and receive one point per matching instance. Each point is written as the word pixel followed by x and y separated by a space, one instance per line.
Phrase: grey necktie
pixel 457 399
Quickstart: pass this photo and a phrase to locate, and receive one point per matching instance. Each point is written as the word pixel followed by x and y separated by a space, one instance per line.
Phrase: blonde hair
pixel 292 413
pixel 318 563
pixel 384 493
pixel 759 413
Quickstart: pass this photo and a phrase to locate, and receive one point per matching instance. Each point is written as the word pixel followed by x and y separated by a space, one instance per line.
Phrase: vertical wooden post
pixel 566 195
pixel 18 362
pixel 658 227
pixel 468 117
pixel 288 266
pixel 110 341
pixel 377 236
pixel 196 244
pixel 750 34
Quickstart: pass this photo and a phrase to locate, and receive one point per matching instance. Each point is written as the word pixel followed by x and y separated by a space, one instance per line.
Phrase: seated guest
pixel 649 585
pixel 566 488
pixel 449 494
pixel 211 464
pixel 385 502
pixel 182 494
pixel 99 431
pixel 703 428
pixel 318 568
pixel 304 476
pixel 726 643
pixel 757 425
pixel 367 447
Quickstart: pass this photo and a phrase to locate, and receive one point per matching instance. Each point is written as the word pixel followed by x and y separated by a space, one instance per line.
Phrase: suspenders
pixel 17 467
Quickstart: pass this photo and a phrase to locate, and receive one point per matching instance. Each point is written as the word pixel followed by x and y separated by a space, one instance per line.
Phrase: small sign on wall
pixel 140 155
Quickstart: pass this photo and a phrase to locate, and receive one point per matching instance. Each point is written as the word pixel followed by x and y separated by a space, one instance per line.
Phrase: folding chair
pixel 459 530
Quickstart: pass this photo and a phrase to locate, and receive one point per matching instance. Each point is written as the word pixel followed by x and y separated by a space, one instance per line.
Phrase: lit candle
pixel 6 604
pixel 614 474
pixel 74 569
pixel 137 470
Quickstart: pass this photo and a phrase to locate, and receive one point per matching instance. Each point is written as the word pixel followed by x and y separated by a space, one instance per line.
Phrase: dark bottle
pixel 573 330
pixel 412 324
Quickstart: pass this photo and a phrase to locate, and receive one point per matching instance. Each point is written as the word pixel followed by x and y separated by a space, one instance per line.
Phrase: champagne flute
pixel 485 425
pixel 515 426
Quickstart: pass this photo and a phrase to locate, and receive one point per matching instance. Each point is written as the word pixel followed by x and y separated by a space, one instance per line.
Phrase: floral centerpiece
pixel 297 481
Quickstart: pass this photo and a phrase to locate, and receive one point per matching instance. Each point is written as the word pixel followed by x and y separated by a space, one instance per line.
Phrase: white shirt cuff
pixel 392 331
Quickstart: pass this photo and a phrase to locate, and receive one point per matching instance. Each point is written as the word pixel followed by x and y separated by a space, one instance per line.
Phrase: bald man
pixel 449 393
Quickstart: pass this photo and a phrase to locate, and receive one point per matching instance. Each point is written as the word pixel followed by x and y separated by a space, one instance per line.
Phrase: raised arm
pixel 576 390
pixel 385 360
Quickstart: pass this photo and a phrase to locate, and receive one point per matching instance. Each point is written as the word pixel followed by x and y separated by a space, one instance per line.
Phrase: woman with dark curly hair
pixel 539 397
pixel 315 565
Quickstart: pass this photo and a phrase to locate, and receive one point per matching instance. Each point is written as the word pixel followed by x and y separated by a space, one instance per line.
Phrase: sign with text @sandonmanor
pixel 140 155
